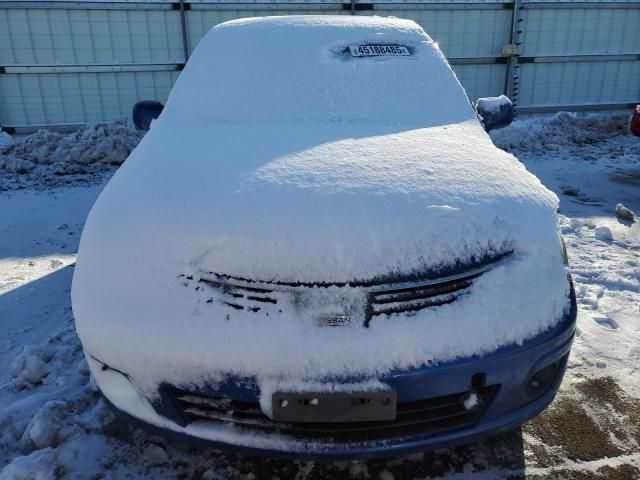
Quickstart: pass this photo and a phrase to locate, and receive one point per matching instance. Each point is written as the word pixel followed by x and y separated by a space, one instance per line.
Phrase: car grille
pixel 403 296
pixel 414 419
pixel 242 297
pixel 412 299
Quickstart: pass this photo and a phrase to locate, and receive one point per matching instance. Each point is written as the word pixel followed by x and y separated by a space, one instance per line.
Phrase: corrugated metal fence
pixel 65 63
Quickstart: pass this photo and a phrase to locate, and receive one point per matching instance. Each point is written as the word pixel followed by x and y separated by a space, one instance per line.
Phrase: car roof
pixel 301 69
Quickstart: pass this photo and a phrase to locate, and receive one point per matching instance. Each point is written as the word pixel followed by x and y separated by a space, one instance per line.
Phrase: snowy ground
pixel 52 424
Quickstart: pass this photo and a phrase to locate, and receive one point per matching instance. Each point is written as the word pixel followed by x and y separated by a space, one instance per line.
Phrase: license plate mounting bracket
pixel 330 407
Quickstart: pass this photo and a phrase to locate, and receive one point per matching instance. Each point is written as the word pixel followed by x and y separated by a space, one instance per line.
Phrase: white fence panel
pixel 59 36
pixel 574 84
pixel 481 80
pixel 578 56
pixel 580 31
pixel 73 98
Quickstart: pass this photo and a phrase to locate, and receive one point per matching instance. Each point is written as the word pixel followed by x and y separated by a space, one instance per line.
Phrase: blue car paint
pixel 510 367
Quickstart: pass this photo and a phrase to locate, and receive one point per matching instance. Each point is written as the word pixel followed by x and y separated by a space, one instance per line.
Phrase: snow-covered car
pixel 317 251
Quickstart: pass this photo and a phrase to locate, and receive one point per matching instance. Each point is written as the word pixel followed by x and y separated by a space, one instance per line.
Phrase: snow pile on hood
pixel 314 167
pixel 50 159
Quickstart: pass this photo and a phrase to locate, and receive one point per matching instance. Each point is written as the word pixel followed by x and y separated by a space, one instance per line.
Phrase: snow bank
pixel 29 368
pixel 47 428
pixel 111 143
pixel 50 159
pixel 49 418
pixel 563 132
pixel 301 171
pixel 5 140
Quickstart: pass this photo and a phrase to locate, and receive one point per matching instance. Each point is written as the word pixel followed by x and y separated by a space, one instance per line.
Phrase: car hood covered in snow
pixel 297 204
pixel 312 185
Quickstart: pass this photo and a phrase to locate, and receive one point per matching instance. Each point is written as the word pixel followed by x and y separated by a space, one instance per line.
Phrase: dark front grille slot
pixel 419 293
pixel 262 299
pixel 242 297
pixel 416 298
pixel 418 418
pixel 413 306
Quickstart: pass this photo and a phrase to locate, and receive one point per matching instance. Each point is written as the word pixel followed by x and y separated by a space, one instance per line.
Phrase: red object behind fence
pixel 635 121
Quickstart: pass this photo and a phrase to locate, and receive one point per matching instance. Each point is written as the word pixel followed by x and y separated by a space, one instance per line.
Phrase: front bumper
pixel 503 380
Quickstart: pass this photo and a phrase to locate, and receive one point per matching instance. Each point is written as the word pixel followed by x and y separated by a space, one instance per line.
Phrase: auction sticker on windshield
pixel 379 50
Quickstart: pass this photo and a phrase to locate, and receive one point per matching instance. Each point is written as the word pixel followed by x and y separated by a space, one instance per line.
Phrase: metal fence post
pixel 512 50
pixel 184 29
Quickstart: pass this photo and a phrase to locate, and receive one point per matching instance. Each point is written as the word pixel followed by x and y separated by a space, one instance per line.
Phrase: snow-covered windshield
pixel 305 69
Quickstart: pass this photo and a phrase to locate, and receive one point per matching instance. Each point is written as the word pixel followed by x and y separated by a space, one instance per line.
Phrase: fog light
pixel 540 381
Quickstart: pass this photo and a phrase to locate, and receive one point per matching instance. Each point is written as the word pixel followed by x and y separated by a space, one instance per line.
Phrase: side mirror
pixel 146 111
pixel 494 112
